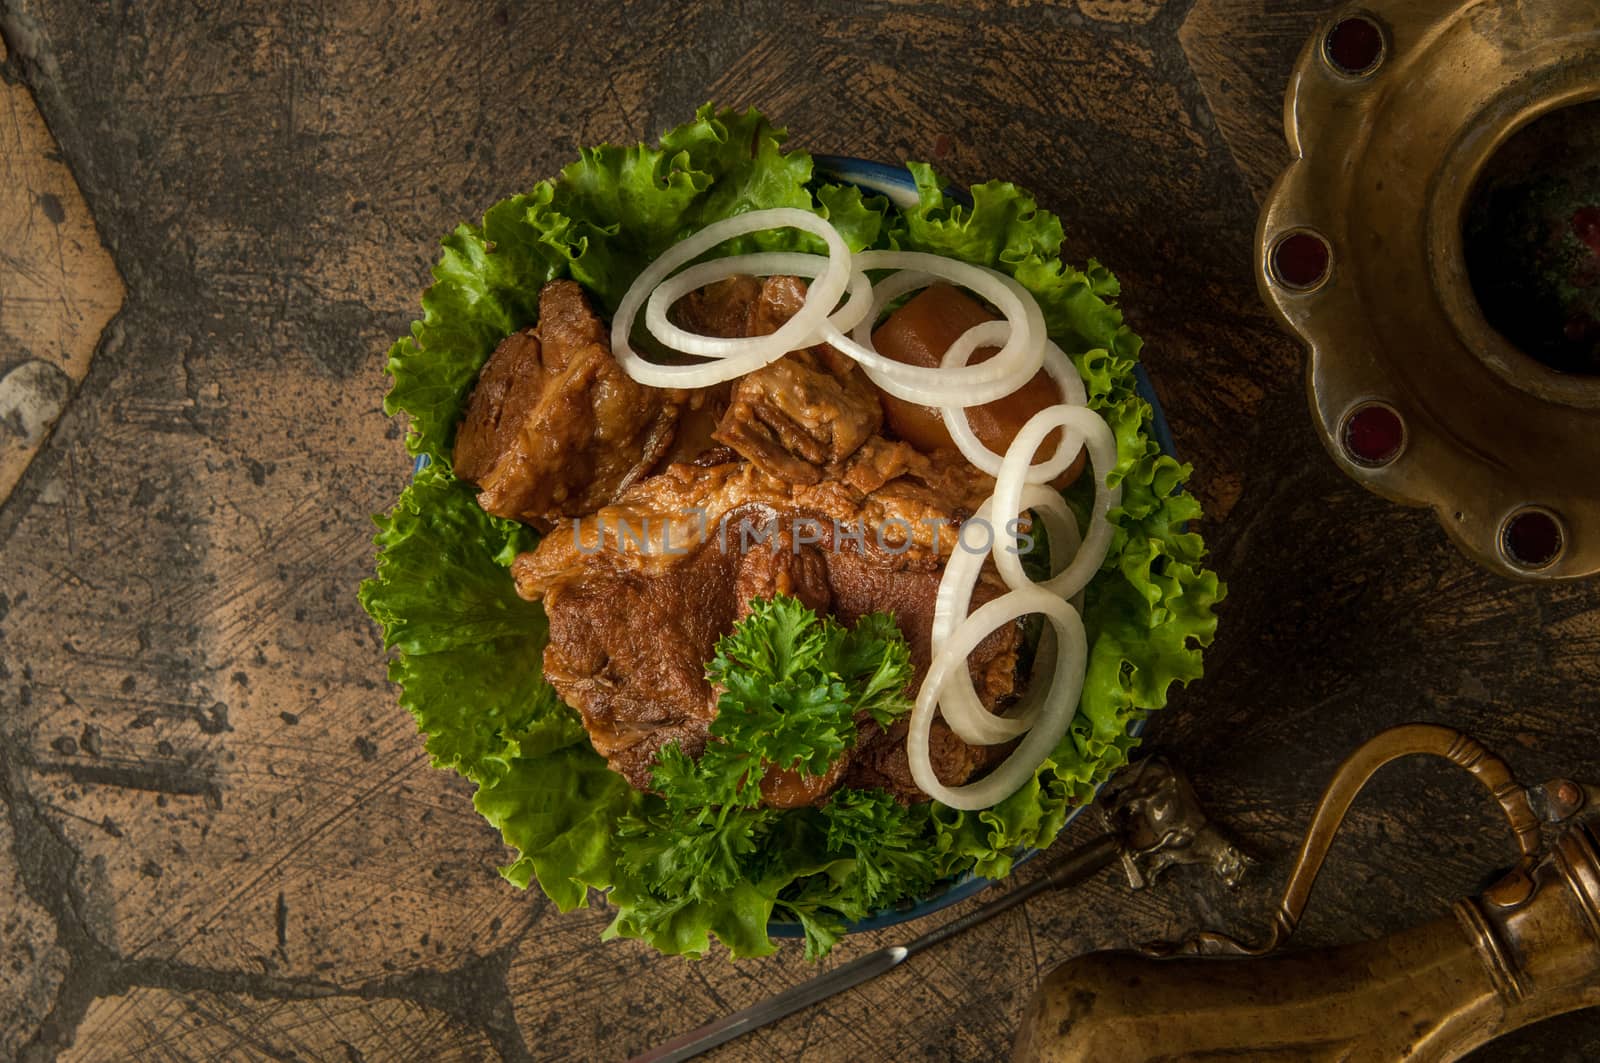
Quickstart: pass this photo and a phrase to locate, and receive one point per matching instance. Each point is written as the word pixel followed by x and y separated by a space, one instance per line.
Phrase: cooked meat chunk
pixel 724 309
pixel 741 306
pixel 800 414
pixel 629 649
pixel 880 760
pixel 554 426
pixel 783 566
pixel 698 418
pixel 896 470
pixel 858 587
pixel 654 524
pixel 795 417
pixel 783 788
pixel 631 626
pixel 629 652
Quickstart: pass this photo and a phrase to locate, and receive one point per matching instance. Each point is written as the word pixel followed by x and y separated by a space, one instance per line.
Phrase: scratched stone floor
pixel 222 839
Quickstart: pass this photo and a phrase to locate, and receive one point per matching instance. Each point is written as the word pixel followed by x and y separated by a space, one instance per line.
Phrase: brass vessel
pixel 1526 949
pixel 1394 111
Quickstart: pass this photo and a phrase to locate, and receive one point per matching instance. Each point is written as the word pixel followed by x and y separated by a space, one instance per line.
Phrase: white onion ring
pixel 1055 716
pixel 857 305
pixel 892 287
pixel 1068 382
pixel 958 701
pixel 821 298
pixel 1008 487
pixel 1019 357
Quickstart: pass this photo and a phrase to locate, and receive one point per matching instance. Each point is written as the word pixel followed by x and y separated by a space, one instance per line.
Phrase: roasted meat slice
pixel 628 649
pixel 654 524
pixel 632 624
pixel 799 415
pixel 629 652
pixel 554 426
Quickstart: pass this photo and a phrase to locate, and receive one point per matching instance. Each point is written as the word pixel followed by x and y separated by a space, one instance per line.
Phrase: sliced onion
pixel 1009 484
pixel 858 302
pixel 1068 383
pixel 1055 715
pixel 958 701
pixel 1019 358
pixel 797 332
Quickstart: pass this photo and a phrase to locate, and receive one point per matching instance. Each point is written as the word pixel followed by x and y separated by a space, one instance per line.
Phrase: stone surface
pixel 32 964
pixel 227 836
pixel 61 285
pixel 203 1025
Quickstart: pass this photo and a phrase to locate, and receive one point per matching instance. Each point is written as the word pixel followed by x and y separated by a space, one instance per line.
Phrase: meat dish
pixel 554 430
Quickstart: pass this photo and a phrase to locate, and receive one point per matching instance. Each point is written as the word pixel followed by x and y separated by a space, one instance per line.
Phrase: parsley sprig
pixel 793 685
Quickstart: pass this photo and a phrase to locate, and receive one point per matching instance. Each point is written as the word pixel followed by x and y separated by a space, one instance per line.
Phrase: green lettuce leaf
pixel 559 811
pixel 681 874
pixel 471 662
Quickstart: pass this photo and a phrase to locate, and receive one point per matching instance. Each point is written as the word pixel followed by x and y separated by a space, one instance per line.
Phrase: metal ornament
pixel 1393 113
pixel 1153 822
pixel 1526 949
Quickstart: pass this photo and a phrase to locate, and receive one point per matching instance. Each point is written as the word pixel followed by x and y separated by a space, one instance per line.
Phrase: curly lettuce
pixel 468 651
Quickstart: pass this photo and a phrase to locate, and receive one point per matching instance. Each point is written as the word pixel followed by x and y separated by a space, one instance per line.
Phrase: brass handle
pixel 1348 781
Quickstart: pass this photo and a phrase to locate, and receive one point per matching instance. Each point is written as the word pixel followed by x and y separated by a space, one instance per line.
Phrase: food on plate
pixel 554 427
pixel 779 553
pixel 919 333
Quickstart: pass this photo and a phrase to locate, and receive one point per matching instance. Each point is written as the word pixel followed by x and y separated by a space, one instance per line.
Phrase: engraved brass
pixel 1386 161
pixel 1526 949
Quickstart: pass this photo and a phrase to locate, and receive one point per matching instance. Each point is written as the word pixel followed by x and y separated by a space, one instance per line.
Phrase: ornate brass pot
pixel 1526 949
pixel 1394 111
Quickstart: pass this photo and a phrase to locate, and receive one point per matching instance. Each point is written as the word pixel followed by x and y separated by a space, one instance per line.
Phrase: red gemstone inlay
pixel 1586 224
pixel 1301 260
pixel 1355 45
pixel 1374 435
pixel 1533 538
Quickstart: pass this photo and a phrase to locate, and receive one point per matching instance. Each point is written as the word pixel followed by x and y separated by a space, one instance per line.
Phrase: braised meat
pixel 629 652
pixel 880 760
pixel 655 523
pixel 797 416
pixel 632 626
pixel 726 308
pixel 669 511
pixel 554 426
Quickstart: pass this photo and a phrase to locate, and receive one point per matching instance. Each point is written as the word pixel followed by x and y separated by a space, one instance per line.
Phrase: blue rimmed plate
pixel 896 184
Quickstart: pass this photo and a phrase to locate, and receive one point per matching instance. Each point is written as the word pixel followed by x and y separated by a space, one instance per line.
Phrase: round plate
pixel 895 182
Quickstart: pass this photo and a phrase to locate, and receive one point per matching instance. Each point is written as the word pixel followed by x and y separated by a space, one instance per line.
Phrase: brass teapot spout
pixel 1526 949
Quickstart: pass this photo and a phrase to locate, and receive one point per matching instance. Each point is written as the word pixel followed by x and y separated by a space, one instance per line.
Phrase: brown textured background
pixel 221 836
